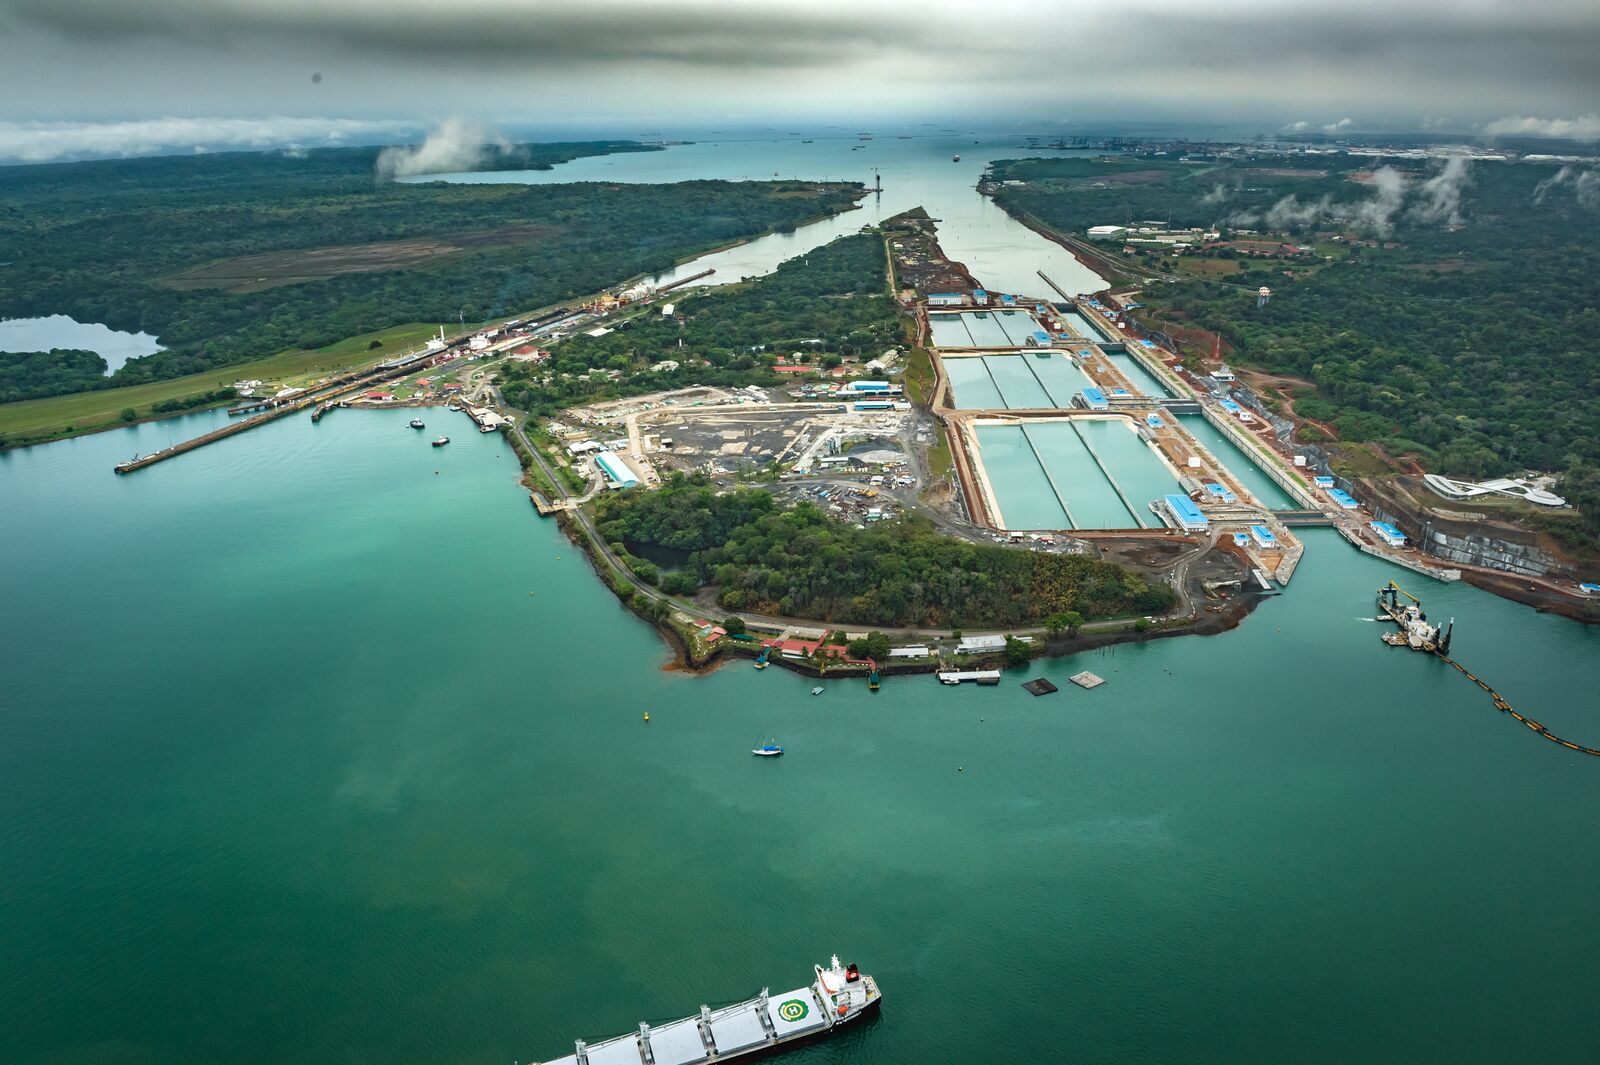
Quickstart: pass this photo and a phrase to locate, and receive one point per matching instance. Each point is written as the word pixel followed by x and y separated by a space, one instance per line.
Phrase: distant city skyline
pixel 91 77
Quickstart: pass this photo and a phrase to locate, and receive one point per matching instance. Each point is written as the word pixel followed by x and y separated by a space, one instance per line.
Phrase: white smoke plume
pixel 1556 180
pixel 1587 189
pixel 1377 214
pixel 1220 193
pixel 1290 213
pixel 454 144
pixel 1585 186
pixel 1441 194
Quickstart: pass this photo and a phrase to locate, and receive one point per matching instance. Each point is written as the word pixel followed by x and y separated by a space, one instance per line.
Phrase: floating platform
pixel 1087 680
pixel 752 1028
pixel 981 676
pixel 1040 687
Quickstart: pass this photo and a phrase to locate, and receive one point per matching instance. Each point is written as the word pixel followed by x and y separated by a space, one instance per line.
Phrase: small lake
pixel 61 331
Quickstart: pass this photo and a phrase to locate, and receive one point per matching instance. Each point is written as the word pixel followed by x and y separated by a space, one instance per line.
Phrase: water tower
pixel 1263 294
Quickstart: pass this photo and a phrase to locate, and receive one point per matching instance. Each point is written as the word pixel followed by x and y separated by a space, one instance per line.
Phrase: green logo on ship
pixel 793 1010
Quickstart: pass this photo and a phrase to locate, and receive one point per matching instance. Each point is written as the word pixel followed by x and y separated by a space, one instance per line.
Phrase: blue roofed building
pixel 1388 533
pixel 1183 514
pixel 1343 498
pixel 616 472
pixel 1092 398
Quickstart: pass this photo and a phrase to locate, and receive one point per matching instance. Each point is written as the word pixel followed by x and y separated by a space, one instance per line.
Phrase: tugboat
pixel 956 159
pixel 441 442
pixel 416 423
pixel 758 1026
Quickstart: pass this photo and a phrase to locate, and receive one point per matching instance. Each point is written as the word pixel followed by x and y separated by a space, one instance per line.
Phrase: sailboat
pixel 767 750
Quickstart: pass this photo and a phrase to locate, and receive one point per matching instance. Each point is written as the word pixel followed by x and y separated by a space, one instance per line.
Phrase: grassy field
pixel 36 420
pixel 919 377
pixel 940 462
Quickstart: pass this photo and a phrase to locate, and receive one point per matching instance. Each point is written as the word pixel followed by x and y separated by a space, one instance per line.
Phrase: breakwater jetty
pixel 322 397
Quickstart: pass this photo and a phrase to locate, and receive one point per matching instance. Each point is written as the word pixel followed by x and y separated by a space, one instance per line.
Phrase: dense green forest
pixel 834 295
pixel 801 563
pixel 28 374
pixel 1464 337
pixel 235 256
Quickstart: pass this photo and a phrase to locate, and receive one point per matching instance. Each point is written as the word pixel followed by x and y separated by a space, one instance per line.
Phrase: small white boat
pixel 441 442
pixel 817 690
pixel 767 750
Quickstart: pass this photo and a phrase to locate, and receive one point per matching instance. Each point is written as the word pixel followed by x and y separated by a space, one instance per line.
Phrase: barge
pixel 1415 631
pixel 758 1026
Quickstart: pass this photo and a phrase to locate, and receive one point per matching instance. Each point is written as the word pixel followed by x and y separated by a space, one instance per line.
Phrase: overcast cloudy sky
pixel 95 75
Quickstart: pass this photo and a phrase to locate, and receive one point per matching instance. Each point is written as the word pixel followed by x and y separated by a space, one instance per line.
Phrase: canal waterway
pixel 318 746
pixel 1249 473
pixel 920 172
pixel 1143 381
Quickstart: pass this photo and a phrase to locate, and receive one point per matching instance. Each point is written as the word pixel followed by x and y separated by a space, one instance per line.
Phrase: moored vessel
pixel 766 1024
pixel 416 423
pixel 1415 630
pixel 441 442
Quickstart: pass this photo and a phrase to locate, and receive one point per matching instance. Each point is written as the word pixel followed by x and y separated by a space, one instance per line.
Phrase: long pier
pixel 686 280
pixel 1059 290
pixel 324 394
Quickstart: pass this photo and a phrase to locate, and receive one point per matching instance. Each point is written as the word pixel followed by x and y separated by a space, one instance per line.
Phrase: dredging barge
pixel 753 1028
pixel 1415 631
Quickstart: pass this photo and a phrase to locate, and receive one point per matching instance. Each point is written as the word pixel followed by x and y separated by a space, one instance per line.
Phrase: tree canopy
pixel 236 256
pixel 799 562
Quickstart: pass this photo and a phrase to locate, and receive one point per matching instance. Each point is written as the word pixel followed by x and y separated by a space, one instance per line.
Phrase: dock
pixel 980 676
pixel 686 280
pixel 1040 687
pixel 1087 679
pixel 323 397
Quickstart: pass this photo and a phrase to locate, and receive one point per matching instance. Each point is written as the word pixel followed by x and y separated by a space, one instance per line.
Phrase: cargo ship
pixel 766 1024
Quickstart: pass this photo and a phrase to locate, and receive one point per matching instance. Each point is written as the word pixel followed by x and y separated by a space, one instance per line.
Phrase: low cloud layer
pixel 1585 128
pixel 454 144
pixel 42 142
